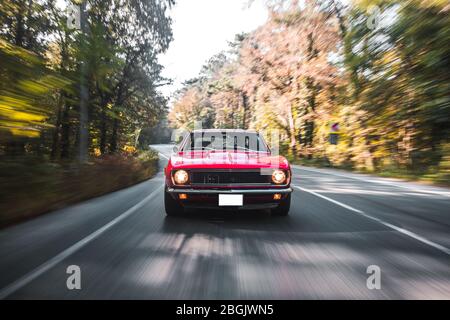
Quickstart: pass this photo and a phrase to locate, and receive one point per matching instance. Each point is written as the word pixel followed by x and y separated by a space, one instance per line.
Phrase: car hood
pixel 227 160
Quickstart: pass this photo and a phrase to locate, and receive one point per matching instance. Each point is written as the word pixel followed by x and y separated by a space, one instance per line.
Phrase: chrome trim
pixel 231 170
pixel 231 185
pixel 238 191
pixel 257 206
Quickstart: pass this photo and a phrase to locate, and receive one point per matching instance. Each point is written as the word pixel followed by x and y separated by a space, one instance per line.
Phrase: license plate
pixel 231 200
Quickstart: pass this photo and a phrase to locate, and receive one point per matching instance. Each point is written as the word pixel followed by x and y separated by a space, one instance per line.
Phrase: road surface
pixel 340 224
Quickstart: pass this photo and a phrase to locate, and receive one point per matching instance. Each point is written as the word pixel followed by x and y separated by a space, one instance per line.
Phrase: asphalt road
pixel 340 223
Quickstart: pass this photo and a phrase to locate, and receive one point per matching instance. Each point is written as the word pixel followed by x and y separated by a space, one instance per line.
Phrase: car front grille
pixel 229 177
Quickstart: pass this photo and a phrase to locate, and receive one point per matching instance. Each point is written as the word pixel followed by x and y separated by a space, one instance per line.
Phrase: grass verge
pixel 433 176
pixel 30 187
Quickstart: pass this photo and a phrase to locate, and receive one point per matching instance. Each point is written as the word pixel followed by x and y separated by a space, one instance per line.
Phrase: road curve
pixel 340 224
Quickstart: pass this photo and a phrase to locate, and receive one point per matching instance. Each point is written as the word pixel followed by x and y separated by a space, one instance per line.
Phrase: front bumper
pixel 230 191
pixel 254 199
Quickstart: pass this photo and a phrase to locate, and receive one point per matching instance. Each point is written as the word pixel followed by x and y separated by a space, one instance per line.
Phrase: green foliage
pixel 45 68
pixel 24 107
pixel 58 83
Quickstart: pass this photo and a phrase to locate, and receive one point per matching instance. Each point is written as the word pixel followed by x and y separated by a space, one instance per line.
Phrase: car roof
pixel 225 130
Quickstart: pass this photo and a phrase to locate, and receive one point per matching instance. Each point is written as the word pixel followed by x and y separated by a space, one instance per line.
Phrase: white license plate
pixel 231 200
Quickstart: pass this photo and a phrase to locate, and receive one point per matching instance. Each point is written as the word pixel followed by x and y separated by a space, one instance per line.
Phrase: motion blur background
pixel 360 85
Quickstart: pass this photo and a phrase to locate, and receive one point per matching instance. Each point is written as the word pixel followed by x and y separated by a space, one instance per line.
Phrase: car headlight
pixel 278 177
pixel 180 177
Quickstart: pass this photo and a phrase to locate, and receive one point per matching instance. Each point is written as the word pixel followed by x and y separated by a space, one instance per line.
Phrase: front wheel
pixel 283 207
pixel 173 208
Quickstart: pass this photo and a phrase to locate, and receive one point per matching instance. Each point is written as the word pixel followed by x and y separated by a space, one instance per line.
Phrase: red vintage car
pixel 226 169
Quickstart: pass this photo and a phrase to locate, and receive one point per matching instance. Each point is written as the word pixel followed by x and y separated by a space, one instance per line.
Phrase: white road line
pixel 162 155
pixel 375 180
pixel 387 224
pixel 26 279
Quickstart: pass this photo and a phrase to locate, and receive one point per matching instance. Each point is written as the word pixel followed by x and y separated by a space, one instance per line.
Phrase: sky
pixel 201 29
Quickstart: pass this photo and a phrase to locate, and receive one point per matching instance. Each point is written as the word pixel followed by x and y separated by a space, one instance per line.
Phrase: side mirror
pixel 175 149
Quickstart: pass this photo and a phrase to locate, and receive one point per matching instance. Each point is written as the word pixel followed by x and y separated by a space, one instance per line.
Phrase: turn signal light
pixel 277 196
pixel 182 196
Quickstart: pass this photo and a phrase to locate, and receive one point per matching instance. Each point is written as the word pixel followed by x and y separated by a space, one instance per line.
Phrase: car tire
pixel 283 207
pixel 173 208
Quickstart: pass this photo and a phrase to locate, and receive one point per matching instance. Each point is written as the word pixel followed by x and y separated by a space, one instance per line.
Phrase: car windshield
pixel 230 141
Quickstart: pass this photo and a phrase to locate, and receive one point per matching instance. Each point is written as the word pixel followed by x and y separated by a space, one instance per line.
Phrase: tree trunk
pixel 245 106
pixel 19 30
pixel 113 147
pixel 65 133
pixel 103 130
pixel 369 163
pixel 293 142
pixel 56 132
pixel 16 147
pixel 27 33
pixel 309 133
pixel 84 97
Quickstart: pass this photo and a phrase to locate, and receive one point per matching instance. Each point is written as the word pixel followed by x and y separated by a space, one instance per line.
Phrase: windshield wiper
pixel 227 149
pixel 248 149
pixel 201 148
